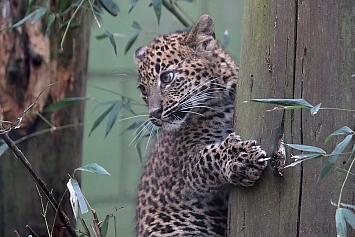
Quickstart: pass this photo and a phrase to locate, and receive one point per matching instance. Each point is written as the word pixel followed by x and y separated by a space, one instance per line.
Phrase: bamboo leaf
pixel 157 8
pixel 51 19
pixel 285 102
pixel 60 104
pixel 226 39
pixel 334 156
pixel 344 171
pixel 128 107
pixel 112 41
pixel 134 125
pixel 348 205
pixel 112 117
pixel 76 196
pixel 3 148
pixel 104 226
pixel 136 26
pixel 340 223
pixel 315 109
pixel 349 217
pixel 110 6
pixel 93 168
pixel 130 42
pixel 307 148
pixel 23 20
pixel 100 118
pixel 39 13
pixel 342 131
pixel 110 102
pixel 139 150
pixel 31 4
pixel 132 4
pixel 101 36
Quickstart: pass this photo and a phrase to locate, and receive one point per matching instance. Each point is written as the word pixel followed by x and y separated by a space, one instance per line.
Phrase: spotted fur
pixel 188 83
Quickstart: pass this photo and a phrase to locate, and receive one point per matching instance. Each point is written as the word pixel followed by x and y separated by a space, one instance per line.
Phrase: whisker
pixel 150 135
pixel 139 131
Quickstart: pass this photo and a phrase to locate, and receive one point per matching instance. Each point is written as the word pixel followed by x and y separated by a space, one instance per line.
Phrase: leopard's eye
pixel 143 90
pixel 167 77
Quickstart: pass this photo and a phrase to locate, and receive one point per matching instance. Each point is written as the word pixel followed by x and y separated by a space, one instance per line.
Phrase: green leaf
pixel 93 168
pixel 132 3
pixel 139 150
pixel 315 109
pixel 136 26
pixel 110 6
pixel 348 205
pixel 349 217
pixel 134 125
pixel 112 41
pixel 112 117
pixel 285 102
pixel 3 148
pixel 157 8
pixel 100 118
pixel 342 131
pixel 31 4
pixel 60 104
pixel 340 223
pixel 50 21
pixel 110 102
pixel 128 107
pixel 101 36
pixel 79 195
pixel 63 4
pixel 334 156
pixel 307 148
pixel 130 42
pixel 23 20
pixel 39 13
pixel 104 226
pixel 344 171
pixel 226 39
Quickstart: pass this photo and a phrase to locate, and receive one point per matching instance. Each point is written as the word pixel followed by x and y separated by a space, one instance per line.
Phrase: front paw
pixel 246 160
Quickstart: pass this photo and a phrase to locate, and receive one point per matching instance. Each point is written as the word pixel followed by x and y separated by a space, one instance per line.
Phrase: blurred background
pixel 108 73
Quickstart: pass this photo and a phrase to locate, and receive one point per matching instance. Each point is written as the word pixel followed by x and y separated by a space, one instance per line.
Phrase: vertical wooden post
pixel 294 49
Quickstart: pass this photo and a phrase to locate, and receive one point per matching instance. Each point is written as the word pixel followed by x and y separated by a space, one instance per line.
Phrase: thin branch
pixel 170 7
pixel 19 155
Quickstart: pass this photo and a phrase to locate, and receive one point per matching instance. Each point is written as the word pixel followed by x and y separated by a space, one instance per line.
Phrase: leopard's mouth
pixel 171 121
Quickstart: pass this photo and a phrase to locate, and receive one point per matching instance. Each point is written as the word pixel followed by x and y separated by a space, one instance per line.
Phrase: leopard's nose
pixel 156 113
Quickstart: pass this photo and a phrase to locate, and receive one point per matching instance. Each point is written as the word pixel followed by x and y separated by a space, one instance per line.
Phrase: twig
pixel 32 231
pixel 170 7
pixel 19 155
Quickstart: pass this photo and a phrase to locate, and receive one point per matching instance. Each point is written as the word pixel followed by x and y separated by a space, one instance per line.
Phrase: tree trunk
pixel 31 59
pixel 294 49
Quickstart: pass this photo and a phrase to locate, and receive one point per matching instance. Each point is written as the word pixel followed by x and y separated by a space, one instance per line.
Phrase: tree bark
pixel 294 49
pixel 31 59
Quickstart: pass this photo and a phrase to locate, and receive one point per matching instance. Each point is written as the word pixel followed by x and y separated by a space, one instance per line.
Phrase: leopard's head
pixel 183 73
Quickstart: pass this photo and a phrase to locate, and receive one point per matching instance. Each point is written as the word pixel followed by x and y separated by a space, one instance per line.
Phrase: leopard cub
pixel 188 83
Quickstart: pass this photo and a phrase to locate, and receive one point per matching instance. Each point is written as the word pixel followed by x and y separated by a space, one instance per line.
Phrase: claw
pixel 264 159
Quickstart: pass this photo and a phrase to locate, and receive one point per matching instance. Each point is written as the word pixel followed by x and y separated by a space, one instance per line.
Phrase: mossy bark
pixel 30 60
pixel 294 49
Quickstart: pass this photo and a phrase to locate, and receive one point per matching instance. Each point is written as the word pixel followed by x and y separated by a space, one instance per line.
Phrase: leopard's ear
pixel 138 54
pixel 202 36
